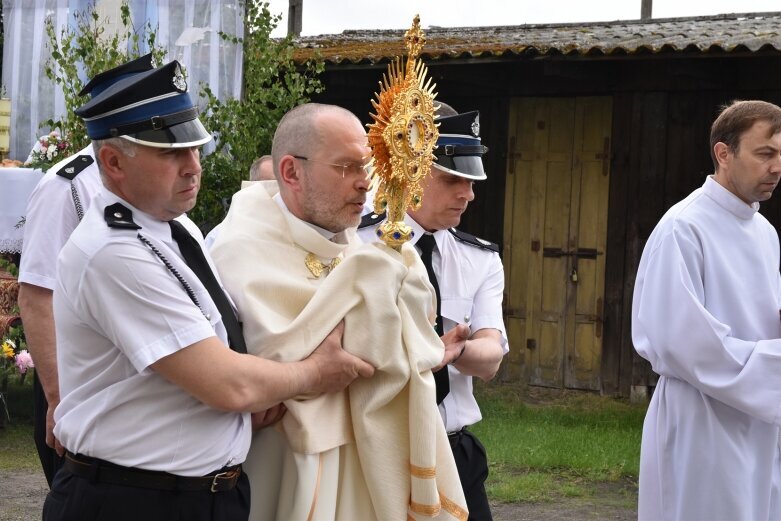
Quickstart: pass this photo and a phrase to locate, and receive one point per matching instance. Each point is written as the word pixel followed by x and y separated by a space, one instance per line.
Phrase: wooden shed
pixel 594 130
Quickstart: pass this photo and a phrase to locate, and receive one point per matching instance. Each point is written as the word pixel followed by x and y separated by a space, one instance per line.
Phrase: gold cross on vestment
pixel 317 267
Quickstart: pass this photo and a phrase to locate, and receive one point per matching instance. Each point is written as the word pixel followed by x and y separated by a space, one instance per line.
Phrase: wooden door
pixel 555 235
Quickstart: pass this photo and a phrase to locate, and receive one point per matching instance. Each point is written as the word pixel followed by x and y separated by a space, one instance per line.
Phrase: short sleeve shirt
pixel 471 285
pixel 51 217
pixel 118 309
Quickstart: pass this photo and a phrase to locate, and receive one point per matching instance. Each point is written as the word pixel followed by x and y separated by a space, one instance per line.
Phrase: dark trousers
pixel 472 465
pixel 74 498
pixel 50 461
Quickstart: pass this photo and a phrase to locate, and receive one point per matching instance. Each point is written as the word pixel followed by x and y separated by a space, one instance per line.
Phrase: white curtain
pixel 205 56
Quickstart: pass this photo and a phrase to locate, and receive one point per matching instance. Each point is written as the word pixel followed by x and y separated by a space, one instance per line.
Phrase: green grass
pixel 17 450
pixel 565 446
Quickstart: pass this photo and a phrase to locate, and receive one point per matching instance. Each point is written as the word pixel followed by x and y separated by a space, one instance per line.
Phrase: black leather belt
pixel 105 472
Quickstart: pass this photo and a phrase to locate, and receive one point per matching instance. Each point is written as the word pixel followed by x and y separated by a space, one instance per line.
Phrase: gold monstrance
pixel 402 138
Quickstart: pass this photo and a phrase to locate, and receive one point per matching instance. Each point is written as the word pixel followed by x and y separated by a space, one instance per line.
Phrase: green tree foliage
pixel 87 51
pixel 244 128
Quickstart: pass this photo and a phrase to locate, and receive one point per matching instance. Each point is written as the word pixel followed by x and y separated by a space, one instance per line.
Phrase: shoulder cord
pixel 174 272
pixel 77 201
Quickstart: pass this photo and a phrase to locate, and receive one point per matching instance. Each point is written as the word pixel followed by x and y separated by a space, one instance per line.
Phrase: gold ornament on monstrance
pixel 402 138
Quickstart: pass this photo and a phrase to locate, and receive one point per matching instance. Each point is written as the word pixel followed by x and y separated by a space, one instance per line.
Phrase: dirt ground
pixel 22 494
pixel 611 502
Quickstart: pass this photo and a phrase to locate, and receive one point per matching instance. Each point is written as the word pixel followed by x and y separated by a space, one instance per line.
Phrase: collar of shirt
pixel 417 230
pixel 155 229
pixel 729 201
pixel 437 259
pixel 150 225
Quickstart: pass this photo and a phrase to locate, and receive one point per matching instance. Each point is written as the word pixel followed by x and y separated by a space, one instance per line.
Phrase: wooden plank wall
pixel 663 106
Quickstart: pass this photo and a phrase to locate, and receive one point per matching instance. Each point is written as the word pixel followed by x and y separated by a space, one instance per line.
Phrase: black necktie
pixel 426 245
pixel 193 256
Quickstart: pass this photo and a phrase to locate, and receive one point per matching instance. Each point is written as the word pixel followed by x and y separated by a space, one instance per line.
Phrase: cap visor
pixel 470 167
pixel 184 135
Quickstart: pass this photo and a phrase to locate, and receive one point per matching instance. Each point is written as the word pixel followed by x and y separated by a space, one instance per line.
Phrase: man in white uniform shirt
pixel 705 313
pixel 151 394
pixel 54 209
pixel 470 279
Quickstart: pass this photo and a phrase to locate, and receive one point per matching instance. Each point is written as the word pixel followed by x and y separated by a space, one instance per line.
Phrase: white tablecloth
pixel 16 184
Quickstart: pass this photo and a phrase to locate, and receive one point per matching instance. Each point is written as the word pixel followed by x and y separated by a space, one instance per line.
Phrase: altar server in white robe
pixel 705 313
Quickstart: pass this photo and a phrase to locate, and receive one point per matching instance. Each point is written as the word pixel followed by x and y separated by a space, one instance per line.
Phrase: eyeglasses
pixel 348 169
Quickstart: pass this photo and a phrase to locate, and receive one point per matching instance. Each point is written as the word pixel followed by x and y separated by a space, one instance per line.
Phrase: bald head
pixel 301 131
pixel 320 152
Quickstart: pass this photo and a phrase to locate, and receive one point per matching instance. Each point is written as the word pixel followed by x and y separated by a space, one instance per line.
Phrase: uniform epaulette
pixel 118 215
pixel 74 167
pixel 474 241
pixel 371 219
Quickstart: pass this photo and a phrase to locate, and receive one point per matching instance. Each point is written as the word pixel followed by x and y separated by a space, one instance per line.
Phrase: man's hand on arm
pixel 482 354
pixel 335 367
pixel 268 417
pixel 226 380
pixel 35 303
pixel 455 341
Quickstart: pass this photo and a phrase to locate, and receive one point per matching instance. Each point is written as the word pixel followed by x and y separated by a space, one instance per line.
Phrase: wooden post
pixel 645 9
pixel 294 17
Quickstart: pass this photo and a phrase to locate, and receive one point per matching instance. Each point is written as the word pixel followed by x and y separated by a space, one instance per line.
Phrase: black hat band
pixel 155 122
pixel 460 150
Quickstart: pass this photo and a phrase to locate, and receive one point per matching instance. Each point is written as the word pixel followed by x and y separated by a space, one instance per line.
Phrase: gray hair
pixel 254 170
pixel 128 148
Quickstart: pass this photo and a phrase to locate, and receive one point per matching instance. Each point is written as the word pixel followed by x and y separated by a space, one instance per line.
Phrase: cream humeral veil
pixel 379 449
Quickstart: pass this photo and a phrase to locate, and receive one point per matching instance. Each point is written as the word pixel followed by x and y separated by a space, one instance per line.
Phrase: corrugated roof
pixel 722 33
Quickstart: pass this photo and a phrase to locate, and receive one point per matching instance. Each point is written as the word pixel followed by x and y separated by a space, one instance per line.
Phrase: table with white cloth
pixel 16 184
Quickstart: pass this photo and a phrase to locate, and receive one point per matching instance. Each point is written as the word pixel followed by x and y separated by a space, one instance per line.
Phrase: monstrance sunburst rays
pixel 402 138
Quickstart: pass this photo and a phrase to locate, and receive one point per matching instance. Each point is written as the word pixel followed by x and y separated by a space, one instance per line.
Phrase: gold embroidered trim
pixel 453 509
pixel 316 267
pixel 449 506
pixel 425 510
pixel 422 472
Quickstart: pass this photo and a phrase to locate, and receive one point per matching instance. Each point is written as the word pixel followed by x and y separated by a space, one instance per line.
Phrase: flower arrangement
pixel 21 359
pixel 49 149
pixel 14 357
pixel 14 360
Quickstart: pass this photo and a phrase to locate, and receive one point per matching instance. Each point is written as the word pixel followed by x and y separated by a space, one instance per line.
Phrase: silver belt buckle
pixel 214 481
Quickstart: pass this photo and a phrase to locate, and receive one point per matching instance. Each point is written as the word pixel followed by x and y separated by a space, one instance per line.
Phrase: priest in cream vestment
pixel 706 315
pixel 378 450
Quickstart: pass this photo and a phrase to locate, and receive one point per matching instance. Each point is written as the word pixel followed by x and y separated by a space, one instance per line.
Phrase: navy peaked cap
pixel 459 151
pixel 150 108
pixel 107 78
